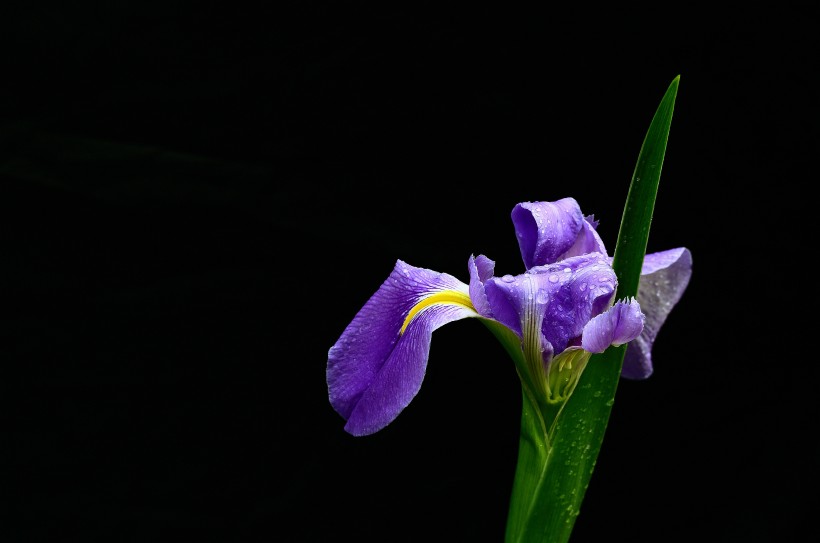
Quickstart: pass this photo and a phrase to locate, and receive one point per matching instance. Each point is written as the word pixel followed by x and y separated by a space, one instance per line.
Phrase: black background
pixel 197 198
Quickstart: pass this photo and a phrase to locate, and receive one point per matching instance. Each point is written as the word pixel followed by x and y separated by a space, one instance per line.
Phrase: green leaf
pixel 640 201
pixel 554 467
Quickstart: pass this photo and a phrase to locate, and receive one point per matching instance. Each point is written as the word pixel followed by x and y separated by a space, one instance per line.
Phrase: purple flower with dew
pixel 664 275
pixel 561 310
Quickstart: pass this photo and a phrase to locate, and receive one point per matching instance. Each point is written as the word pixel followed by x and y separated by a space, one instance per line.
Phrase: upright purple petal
pixel 620 324
pixel 546 230
pixel 587 241
pixel 374 370
pixel 507 297
pixel 519 303
pixel 664 277
pixel 481 269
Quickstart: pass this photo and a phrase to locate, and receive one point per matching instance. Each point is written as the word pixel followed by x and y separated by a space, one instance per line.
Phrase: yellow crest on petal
pixel 444 297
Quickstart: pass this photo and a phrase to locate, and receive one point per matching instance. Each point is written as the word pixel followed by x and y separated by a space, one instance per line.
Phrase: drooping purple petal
pixel 400 377
pixel 664 277
pixel 374 370
pixel 620 324
pixel 546 230
pixel 481 269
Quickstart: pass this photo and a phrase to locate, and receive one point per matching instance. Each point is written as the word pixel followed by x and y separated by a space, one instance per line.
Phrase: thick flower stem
pixel 537 512
pixel 530 474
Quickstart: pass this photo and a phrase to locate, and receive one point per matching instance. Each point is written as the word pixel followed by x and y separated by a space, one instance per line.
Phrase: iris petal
pixel 374 370
pixel 620 324
pixel 664 277
pixel 519 303
pixel 581 287
pixel 399 378
pixel 481 269
pixel 546 230
pixel 587 241
pixel 507 296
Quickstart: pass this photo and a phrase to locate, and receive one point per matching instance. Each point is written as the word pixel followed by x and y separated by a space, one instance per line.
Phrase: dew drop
pixel 553 278
pixel 508 278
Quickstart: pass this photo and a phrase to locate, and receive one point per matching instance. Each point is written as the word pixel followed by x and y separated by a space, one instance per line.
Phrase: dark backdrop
pixel 197 198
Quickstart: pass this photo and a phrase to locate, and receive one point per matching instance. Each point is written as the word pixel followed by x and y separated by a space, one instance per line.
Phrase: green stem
pixel 525 512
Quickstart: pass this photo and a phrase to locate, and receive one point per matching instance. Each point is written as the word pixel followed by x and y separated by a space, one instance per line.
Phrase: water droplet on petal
pixel 508 278
pixel 553 278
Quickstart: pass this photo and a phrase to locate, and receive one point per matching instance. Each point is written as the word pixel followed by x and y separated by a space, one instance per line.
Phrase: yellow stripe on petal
pixel 445 297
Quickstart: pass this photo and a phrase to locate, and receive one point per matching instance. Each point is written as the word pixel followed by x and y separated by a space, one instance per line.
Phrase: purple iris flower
pixel 664 275
pixel 559 312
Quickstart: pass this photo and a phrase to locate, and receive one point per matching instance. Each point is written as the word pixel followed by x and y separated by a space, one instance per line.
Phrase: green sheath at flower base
pixel 564 372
